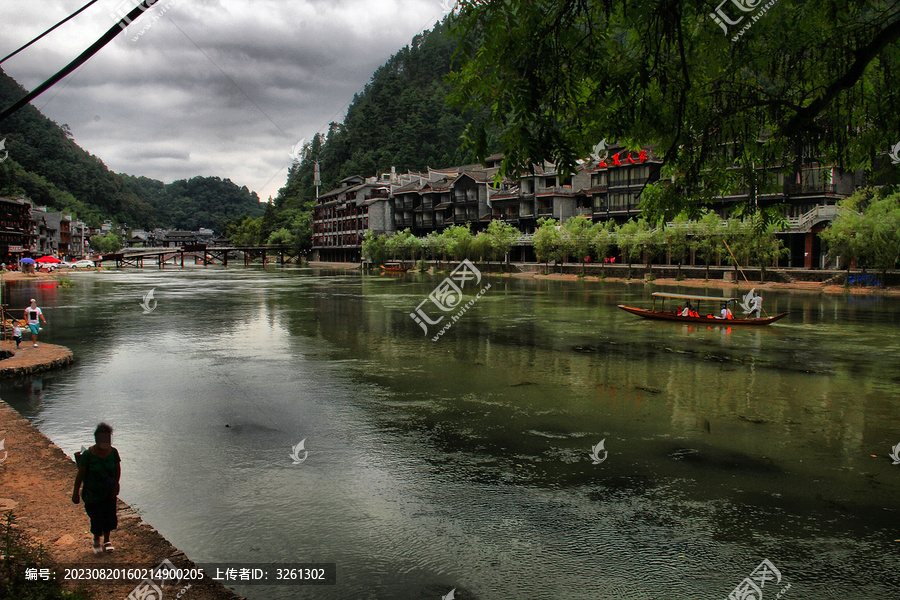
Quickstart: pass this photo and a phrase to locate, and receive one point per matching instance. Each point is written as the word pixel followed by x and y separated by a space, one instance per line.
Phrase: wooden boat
pixel 672 315
pixel 394 267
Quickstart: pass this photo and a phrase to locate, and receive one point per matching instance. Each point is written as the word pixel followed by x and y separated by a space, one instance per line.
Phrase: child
pixel 17 333
pixel 100 469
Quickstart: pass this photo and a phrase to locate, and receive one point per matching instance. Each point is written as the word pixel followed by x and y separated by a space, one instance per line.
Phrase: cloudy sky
pixel 207 87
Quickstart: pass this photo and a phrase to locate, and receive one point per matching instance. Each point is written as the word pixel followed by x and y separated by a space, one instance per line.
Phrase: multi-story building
pixel 343 216
pixel 58 231
pixel 604 188
pixel 432 202
pixel 16 230
pixel 46 231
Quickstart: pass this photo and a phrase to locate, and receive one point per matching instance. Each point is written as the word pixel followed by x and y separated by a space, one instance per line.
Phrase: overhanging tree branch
pixel 864 56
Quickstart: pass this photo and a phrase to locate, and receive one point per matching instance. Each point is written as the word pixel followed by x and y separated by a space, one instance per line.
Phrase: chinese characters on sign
pixel 617 158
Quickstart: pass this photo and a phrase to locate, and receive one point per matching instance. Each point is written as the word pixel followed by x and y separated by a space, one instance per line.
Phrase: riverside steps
pixel 36 480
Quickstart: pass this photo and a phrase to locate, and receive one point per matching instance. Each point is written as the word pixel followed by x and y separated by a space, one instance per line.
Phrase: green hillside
pixel 46 165
pixel 401 120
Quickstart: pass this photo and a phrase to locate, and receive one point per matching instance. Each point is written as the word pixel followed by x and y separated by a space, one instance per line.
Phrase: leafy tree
pixel 576 239
pixel 105 244
pixel 629 242
pixel 547 240
pixel 559 76
pixel 872 237
pixel 842 236
pixel 737 238
pixel 301 233
pixel 765 247
pixel 602 235
pixel 482 246
pixel 281 237
pixel 678 240
pixel 708 239
pixel 373 249
pixel 457 241
pixel 649 239
pixel 503 237
pixel 246 233
pixel 434 245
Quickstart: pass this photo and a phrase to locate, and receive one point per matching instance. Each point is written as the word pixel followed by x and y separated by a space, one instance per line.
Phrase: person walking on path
pixel 17 333
pixel 34 317
pixel 99 469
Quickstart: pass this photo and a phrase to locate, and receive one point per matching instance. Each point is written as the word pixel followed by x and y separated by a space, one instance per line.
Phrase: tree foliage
pixel 867 230
pixel 787 83
pixel 547 240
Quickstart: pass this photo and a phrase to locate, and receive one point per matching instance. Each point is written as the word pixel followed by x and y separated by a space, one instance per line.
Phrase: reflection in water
pixel 467 462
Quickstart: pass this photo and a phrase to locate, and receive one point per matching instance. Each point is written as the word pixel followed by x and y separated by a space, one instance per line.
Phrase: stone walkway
pixel 36 480
pixel 28 359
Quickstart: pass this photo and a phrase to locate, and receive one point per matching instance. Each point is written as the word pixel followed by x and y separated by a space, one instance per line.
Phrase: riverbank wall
pixel 36 481
pixel 808 280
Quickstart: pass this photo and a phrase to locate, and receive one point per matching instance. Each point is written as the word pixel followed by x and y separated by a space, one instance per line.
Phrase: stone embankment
pixel 36 480
pixel 28 359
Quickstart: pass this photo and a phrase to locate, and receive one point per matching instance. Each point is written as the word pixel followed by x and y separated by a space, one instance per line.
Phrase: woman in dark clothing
pixel 99 469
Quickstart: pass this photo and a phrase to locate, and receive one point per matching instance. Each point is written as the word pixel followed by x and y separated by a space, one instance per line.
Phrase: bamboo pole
pixel 739 267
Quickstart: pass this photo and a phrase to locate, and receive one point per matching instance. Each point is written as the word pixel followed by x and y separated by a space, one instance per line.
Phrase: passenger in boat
pixel 726 312
pixel 688 309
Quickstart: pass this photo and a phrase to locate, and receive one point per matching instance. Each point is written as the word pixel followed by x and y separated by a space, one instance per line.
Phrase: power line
pixel 83 57
pixel 72 16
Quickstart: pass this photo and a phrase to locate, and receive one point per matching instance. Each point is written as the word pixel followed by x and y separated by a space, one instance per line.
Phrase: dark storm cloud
pixel 208 87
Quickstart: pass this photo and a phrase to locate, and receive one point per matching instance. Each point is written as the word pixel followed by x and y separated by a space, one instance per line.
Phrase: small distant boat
pixel 674 315
pixel 394 267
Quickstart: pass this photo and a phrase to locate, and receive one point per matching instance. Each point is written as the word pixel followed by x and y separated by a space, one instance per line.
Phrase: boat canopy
pixel 694 297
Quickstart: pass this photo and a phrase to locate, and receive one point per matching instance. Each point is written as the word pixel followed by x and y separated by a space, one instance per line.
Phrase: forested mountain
pixel 48 167
pixel 400 120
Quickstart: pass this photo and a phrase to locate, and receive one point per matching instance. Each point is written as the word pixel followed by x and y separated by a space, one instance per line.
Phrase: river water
pixel 465 463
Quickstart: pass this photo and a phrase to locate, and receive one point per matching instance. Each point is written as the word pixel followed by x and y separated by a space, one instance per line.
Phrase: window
pixel 618 177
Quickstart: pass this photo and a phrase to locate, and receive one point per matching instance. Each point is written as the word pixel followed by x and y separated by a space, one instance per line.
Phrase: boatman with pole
pixel 756 306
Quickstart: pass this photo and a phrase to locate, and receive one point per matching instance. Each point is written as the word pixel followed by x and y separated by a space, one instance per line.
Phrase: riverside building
pixel 602 189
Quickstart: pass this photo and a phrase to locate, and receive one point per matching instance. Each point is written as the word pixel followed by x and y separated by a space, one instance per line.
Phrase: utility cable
pixel 83 57
pixel 72 16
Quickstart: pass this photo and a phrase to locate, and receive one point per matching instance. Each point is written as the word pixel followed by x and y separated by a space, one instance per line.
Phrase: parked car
pixel 83 264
